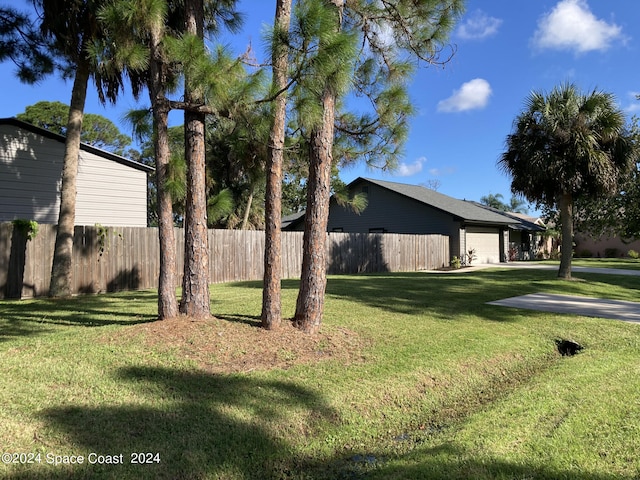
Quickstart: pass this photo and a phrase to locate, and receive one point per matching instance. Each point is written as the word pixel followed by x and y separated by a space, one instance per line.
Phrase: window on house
pixel 378 230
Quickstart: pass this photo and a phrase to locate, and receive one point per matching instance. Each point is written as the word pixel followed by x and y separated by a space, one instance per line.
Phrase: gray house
pixel 526 235
pixel 411 209
pixel 111 190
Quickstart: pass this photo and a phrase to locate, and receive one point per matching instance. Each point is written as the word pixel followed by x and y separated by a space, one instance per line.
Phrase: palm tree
pixel 71 36
pixel 494 201
pixel 517 204
pixel 567 145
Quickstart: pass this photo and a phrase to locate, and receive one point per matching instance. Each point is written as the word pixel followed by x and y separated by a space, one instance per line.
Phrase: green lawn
pixel 440 386
pixel 623 263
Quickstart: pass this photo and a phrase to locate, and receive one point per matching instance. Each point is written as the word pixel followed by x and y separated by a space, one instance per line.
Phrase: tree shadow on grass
pixel 445 296
pixel 251 320
pixel 211 426
pixel 40 316
pixel 448 296
pixel 442 462
pixel 201 425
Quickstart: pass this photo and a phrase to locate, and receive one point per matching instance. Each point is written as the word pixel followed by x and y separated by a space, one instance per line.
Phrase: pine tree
pixel 141 28
pixel 386 31
pixel 173 42
pixel 195 283
pixel 271 306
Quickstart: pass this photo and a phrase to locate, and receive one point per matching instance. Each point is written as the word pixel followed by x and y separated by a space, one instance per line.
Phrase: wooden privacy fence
pixel 127 258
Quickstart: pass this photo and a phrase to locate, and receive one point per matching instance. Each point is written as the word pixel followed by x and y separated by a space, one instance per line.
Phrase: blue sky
pixel 504 50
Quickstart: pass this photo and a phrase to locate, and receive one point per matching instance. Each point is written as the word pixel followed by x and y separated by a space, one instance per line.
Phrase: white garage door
pixel 486 242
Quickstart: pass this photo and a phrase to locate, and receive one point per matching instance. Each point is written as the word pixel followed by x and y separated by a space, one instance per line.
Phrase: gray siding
pixel 392 212
pixel 30 170
pixel 108 192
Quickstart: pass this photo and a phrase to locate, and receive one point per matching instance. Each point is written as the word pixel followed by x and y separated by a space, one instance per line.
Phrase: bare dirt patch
pixel 240 345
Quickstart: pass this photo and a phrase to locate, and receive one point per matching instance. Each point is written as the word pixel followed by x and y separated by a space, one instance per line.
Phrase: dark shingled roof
pixel 521 221
pixel 83 146
pixel 292 219
pixel 464 210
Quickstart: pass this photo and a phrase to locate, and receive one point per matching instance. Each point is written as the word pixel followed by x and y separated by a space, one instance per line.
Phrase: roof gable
pixel 83 146
pixel 520 220
pixel 461 209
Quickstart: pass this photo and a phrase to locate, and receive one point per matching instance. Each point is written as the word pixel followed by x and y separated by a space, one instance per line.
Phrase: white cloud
pixel 472 95
pixel 572 26
pixel 634 103
pixel 406 170
pixel 478 26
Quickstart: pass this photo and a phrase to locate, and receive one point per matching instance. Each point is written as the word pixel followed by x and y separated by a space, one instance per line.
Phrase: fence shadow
pixel 450 295
pixel 201 425
pixel 128 279
pixel 16 265
pixel 356 253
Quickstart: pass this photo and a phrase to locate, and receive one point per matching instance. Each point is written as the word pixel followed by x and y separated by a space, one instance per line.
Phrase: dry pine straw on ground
pixel 241 345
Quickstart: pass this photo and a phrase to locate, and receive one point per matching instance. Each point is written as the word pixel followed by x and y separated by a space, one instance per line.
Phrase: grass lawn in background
pixel 412 376
pixel 622 263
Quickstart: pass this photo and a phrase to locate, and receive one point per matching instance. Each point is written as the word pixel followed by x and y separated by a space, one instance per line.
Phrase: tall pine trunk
pixel 195 284
pixel 61 271
pixel 566 218
pixel 271 293
pixel 313 280
pixel 167 301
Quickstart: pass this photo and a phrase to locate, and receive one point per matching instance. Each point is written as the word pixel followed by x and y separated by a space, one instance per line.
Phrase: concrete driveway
pixel 583 306
pixel 574 268
pixel 569 304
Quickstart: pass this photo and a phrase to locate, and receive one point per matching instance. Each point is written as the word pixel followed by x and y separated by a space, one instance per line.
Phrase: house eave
pixel 83 146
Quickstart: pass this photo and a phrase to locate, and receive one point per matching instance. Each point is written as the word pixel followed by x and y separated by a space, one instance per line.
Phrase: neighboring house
pixel 602 247
pixel 111 190
pixel 291 219
pixel 411 209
